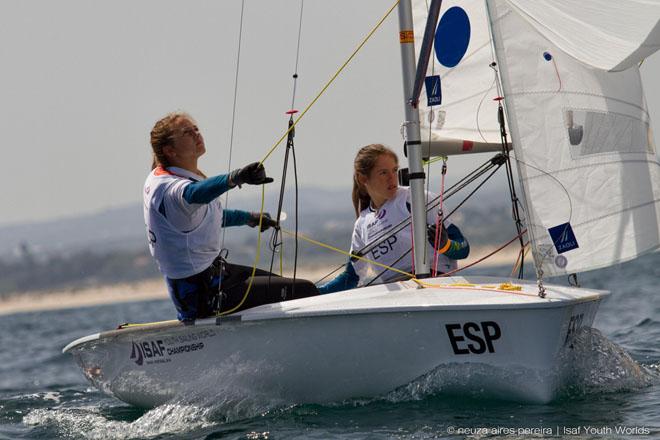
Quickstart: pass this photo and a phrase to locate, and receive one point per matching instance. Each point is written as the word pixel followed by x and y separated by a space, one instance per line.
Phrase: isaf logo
pixel 148 350
pixel 160 351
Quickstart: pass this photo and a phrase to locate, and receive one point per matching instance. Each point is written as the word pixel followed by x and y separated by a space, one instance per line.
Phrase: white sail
pixel 609 35
pixel 584 148
pixel 461 57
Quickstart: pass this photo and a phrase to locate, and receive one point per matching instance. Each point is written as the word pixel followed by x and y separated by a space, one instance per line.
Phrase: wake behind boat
pixel 359 343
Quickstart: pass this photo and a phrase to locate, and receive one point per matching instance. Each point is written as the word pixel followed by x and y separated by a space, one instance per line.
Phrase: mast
pixel 413 139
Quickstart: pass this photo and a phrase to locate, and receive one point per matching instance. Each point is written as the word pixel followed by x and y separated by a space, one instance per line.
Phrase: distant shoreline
pixel 154 289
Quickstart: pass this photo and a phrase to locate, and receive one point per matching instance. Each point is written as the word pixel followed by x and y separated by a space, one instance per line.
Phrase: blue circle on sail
pixel 452 36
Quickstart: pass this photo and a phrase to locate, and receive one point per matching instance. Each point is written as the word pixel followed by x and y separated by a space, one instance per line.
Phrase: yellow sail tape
pixel 142 324
pixel 332 248
pixel 332 79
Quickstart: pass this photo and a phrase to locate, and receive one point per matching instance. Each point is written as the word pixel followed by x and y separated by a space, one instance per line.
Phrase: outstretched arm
pixel 235 217
pixel 206 190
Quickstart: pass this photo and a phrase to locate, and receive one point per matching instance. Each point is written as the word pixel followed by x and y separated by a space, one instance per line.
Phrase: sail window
pixel 592 132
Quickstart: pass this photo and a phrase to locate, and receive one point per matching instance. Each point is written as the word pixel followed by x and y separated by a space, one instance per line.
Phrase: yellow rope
pixel 435 159
pixel 519 260
pixel 503 287
pixel 286 133
pixel 256 259
pixel 327 246
pixel 142 324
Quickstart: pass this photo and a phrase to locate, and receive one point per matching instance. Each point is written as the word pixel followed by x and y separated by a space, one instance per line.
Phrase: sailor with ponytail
pixel 380 204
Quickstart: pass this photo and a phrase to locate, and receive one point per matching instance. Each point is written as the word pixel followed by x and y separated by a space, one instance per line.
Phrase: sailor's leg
pixel 266 290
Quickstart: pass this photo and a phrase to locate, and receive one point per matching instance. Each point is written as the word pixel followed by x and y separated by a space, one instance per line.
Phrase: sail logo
pixel 563 238
pixel 433 90
pixel 452 36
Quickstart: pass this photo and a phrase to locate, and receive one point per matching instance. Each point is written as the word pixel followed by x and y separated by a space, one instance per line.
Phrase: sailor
pixel 184 217
pixel 380 204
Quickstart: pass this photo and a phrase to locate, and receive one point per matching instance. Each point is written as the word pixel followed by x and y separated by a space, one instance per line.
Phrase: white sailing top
pixel 184 238
pixel 371 225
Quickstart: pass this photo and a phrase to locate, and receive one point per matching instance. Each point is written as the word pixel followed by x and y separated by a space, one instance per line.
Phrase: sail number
pixel 473 337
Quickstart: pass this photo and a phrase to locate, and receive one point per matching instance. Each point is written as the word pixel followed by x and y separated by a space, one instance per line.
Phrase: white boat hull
pixel 361 343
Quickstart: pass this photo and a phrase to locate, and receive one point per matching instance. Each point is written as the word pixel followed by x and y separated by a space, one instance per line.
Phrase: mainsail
pixel 578 120
pixel 608 35
pixel 461 59
pixel 581 135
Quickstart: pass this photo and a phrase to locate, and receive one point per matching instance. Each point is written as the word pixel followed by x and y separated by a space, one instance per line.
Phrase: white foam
pixel 597 365
pixel 89 423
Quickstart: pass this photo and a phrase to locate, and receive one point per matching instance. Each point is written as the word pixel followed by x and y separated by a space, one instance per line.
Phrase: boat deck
pixel 445 293
pixel 437 293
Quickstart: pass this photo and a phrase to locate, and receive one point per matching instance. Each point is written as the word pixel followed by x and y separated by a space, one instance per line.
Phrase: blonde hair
pixel 161 136
pixel 365 161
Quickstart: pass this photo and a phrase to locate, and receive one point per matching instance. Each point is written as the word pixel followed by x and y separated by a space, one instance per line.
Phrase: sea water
pixel 614 391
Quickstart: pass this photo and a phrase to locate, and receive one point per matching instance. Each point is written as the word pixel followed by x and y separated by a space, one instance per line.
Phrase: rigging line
pixel 467 183
pixel 256 259
pixel 522 254
pixel 295 70
pixel 484 257
pixel 431 117
pixel 557 72
pixel 561 185
pixel 392 231
pixel 280 204
pixel 332 248
pixel 439 221
pixel 481 170
pixel 295 252
pixel 332 79
pixel 326 276
pixel 233 116
pixel 509 174
pixel 479 110
pixel 458 269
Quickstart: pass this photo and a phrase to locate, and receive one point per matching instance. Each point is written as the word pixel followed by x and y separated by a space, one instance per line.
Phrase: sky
pixel 83 83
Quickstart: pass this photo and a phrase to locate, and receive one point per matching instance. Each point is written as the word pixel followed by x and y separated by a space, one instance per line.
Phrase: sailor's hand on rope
pixel 252 174
pixel 443 239
pixel 266 222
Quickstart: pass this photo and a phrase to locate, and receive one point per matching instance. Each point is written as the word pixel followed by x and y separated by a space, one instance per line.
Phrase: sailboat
pixel 565 83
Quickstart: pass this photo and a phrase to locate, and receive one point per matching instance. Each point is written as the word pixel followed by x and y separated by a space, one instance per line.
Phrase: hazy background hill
pixel 110 246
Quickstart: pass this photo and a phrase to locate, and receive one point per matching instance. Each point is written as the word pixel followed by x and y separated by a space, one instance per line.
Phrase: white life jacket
pixel 371 225
pixel 191 246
